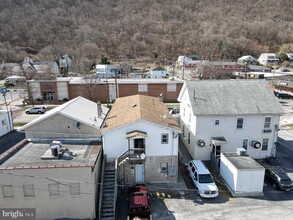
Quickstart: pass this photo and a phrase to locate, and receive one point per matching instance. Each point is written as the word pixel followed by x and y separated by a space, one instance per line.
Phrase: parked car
pixel 36 110
pixel 139 203
pixel 202 179
pixel 278 178
pixel 283 95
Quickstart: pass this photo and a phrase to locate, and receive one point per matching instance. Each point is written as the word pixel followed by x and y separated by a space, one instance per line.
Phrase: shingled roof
pixel 139 107
pixel 231 97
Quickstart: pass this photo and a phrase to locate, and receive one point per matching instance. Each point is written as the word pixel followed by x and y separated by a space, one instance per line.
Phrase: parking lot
pixel 169 202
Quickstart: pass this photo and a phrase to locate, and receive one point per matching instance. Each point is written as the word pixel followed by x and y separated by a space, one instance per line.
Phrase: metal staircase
pixel 108 194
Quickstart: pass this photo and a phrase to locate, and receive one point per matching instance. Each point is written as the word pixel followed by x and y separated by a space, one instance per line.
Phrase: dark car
pixel 139 202
pixel 278 178
pixel 282 95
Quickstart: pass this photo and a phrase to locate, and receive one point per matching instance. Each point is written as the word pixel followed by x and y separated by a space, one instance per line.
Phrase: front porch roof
pixel 219 140
pixel 135 133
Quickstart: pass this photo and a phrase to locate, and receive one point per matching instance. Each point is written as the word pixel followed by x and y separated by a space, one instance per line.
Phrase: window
pixel 184 112
pixel 164 167
pixel 3 122
pixel 54 189
pixel 189 118
pixel 7 191
pixel 164 139
pixel 171 87
pixel 28 190
pixel 267 122
pixel 142 87
pixel 265 143
pixel 183 129
pixel 239 123
pixel 245 144
pixel 188 140
pixel 217 122
pixel 74 188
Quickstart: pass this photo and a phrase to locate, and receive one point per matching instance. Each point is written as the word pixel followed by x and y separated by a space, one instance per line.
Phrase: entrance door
pixel 139 144
pixel 139 173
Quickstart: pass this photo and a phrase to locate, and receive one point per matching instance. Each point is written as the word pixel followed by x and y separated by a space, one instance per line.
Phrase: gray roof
pixel 30 156
pixel 232 97
pixel 243 162
pixel 79 109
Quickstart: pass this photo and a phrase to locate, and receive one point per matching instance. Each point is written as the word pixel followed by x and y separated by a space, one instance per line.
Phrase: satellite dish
pixel 142 156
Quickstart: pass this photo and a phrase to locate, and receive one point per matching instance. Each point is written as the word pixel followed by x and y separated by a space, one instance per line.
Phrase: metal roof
pixel 231 97
pixel 79 109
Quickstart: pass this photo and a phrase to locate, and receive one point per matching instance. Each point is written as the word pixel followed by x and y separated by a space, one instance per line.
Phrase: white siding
pixel 52 207
pixel 6 124
pixel 62 90
pixel 228 172
pixel 115 141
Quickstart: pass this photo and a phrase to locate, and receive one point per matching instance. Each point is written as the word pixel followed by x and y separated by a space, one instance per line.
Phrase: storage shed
pixel 242 174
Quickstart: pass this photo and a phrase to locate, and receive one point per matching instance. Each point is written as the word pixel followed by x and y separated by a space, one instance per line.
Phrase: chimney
pixel 99 109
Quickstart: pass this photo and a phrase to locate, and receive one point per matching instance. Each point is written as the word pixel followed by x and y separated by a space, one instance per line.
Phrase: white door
pixel 139 173
pixel 112 92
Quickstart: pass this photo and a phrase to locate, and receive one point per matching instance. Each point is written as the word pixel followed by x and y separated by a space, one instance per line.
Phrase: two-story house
pixel 223 115
pixel 141 136
pixel 268 58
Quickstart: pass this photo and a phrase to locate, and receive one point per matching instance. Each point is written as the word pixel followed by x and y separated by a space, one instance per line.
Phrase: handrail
pixel 121 157
pixel 101 187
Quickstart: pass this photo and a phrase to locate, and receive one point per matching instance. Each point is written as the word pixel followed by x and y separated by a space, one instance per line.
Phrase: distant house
pixel 6 124
pixel 189 61
pixel 158 73
pixel 290 57
pixel 219 116
pixel 268 58
pixel 59 181
pixel 106 71
pixel 142 137
pixel 78 118
pixel 248 59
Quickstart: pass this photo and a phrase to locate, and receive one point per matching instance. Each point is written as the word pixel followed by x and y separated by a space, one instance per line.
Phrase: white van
pixel 202 179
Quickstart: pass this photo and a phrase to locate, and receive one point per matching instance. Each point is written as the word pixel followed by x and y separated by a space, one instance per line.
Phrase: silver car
pixel 36 110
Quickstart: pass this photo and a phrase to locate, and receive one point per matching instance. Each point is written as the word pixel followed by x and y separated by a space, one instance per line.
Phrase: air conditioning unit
pixel 241 152
pixel 256 144
pixel 201 143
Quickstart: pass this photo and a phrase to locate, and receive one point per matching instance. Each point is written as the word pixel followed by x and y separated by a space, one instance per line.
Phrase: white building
pixel 77 118
pixel 243 175
pixel 222 115
pixel 158 73
pixel 6 124
pixel 141 135
pixel 106 71
pixel 65 187
pixel 268 58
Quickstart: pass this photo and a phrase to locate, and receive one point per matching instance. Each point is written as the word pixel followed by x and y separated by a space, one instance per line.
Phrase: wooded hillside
pixel 144 29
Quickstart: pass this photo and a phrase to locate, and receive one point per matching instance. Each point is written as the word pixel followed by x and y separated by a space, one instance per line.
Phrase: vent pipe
pixel 99 105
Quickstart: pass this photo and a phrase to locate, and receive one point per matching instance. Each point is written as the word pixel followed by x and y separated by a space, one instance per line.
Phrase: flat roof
pixel 29 156
pixel 243 162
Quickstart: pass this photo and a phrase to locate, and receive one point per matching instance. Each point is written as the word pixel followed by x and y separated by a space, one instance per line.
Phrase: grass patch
pixel 19 124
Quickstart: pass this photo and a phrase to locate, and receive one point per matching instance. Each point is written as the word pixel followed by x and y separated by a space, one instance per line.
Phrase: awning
pixel 219 140
pixel 136 133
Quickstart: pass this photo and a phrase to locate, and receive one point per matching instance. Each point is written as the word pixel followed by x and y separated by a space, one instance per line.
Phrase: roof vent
pixel 133 105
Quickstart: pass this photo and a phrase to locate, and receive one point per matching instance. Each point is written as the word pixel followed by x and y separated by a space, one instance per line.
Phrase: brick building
pixel 56 91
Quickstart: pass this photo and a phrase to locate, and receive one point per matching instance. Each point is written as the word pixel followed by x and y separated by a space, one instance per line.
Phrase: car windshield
pixel 205 178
